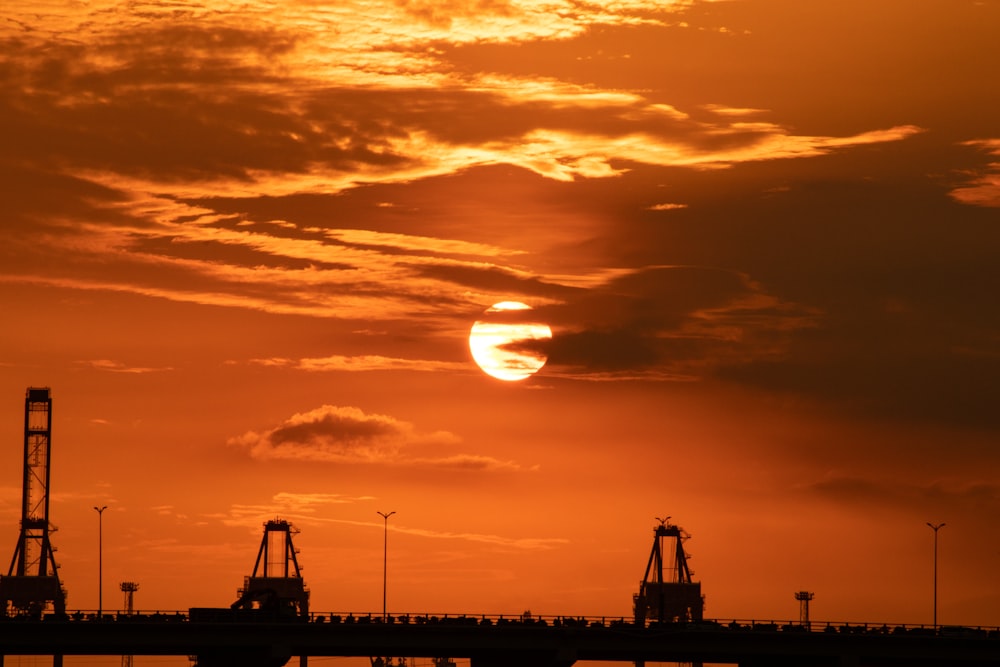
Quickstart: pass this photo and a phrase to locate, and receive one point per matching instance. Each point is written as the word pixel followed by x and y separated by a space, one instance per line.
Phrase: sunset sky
pixel 244 243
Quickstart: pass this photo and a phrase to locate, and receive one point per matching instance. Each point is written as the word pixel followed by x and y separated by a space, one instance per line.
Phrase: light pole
pixel 935 528
pixel 385 555
pixel 100 559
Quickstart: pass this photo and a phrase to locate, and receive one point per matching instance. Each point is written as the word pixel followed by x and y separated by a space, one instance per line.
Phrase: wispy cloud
pixel 983 189
pixel 162 115
pixel 313 509
pixel 528 543
pixel 891 493
pixel 364 363
pixel 112 366
pixel 294 506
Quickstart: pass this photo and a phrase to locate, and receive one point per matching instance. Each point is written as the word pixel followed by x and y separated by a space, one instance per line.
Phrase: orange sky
pixel 244 244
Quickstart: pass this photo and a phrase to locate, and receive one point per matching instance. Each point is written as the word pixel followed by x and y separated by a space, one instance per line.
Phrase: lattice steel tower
pixel 128 588
pixel 32 583
pixel 804 597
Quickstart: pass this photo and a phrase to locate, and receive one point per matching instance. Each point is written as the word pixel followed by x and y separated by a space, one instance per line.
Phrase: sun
pixel 504 343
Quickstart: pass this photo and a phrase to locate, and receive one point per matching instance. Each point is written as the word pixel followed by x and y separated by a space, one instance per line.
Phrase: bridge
pixel 233 638
pixel 271 622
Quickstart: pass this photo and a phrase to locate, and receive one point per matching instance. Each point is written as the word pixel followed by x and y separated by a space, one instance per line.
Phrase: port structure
pixel 274 592
pixel 32 586
pixel 276 585
pixel 667 593
pixel 128 588
pixel 804 597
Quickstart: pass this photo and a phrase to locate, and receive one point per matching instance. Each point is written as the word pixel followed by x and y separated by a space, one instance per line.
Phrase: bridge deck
pixel 552 643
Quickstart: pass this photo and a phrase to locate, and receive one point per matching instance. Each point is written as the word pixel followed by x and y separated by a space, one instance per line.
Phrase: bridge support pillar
pixel 798 661
pixel 508 658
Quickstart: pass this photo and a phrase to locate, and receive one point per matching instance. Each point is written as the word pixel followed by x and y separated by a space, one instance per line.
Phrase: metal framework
pixel 804 597
pixel 276 584
pixel 128 588
pixel 667 593
pixel 32 583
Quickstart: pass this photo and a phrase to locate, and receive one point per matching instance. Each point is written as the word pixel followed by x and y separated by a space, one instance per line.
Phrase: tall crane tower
pixel 32 583
pixel 667 593
pixel 276 585
pixel 274 592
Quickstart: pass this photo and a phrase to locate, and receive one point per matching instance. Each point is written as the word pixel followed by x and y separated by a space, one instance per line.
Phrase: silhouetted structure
pixel 667 593
pixel 128 588
pixel 275 592
pixel 32 583
pixel 276 585
pixel 804 597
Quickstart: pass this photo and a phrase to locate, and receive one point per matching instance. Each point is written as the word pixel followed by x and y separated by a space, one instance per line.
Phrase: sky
pixel 244 244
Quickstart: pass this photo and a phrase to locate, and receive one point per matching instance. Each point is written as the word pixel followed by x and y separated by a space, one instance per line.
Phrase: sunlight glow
pixel 505 348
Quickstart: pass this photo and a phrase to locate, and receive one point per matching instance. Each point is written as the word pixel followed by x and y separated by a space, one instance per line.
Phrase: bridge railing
pixel 528 619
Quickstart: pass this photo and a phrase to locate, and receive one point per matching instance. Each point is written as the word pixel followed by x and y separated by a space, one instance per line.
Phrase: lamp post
pixel 385 555
pixel 100 559
pixel 935 528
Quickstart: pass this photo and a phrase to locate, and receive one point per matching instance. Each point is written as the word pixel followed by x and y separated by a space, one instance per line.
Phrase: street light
pixel 935 528
pixel 385 555
pixel 100 558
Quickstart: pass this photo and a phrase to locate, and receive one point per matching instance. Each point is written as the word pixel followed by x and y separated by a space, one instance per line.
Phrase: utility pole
pixel 385 556
pixel 100 559
pixel 935 528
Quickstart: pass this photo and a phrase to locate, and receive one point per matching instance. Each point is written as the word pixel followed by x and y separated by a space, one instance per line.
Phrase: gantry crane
pixel 276 585
pixel 667 593
pixel 32 583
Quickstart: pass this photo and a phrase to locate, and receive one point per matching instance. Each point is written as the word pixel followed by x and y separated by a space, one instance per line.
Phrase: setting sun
pixel 505 342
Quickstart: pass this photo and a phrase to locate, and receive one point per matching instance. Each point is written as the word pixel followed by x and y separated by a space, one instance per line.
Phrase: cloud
pixel 527 543
pixel 936 496
pixel 263 131
pixel 120 367
pixel 669 322
pixel 442 14
pixel 347 435
pixel 369 362
pixel 334 434
pixel 470 462
pixel 128 143
pixel 298 507
pixel 301 509
pixel 984 188
pixel 310 502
